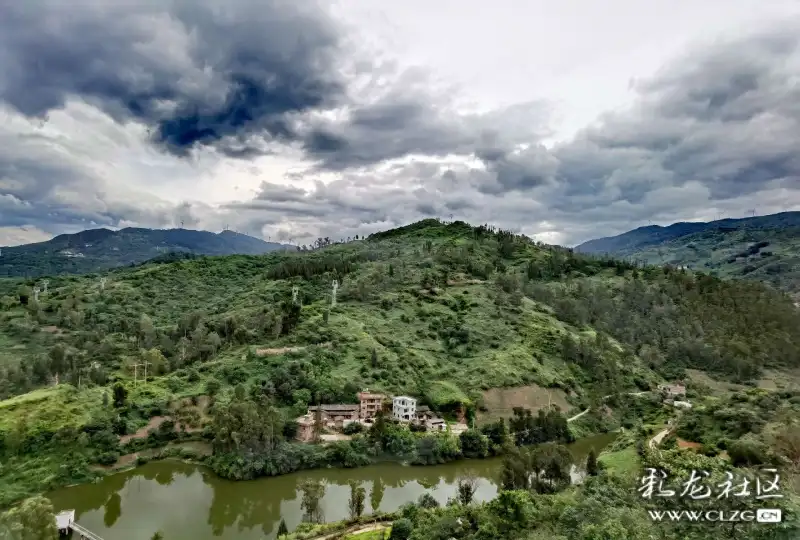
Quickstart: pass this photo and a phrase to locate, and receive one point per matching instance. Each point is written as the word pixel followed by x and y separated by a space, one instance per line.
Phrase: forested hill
pixel 643 237
pixel 96 250
pixel 763 248
pixel 462 307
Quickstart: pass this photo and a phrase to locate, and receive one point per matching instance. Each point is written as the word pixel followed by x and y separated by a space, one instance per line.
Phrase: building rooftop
pixel 304 420
pixel 337 407
pixel 366 394
pixel 405 397
pixel 63 519
pixel 423 409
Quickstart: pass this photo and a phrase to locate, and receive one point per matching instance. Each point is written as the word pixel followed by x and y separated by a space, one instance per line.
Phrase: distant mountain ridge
pixel 760 248
pixel 95 250
pixel 632 241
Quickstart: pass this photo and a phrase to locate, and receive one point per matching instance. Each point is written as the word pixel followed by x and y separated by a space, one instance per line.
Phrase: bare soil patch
pixel 51 329
pixel 683 444
pixel 717 387
pixel 283 350
pixel 780 380
pixel 500 402
pixel 334 437
pixel 154 423
pixel 199 447
pixel 457 283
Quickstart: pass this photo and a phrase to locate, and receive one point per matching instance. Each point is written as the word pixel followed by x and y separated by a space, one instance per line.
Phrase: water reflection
pixel 113 509
pixel 189 502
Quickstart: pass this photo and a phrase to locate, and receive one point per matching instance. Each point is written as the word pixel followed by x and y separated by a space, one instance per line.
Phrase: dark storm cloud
pixel 727 117
pixel 239 77
pixel 198 73
pixel 716 127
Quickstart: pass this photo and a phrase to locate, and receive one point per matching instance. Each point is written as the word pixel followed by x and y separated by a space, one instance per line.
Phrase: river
pixel 189 502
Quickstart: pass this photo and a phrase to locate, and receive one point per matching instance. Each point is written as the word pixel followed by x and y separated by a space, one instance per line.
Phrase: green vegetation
pixel 768 255
pixel 763 248
pixel 754 427
pixel 440 311
pixel 32 520
pixel 98 250
pixel 607 506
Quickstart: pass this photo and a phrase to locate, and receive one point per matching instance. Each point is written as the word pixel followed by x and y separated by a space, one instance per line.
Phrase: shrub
pixel 401 529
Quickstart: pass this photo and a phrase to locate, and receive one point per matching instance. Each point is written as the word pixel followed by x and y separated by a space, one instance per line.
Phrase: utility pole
pixel 136 371
pixel 103 281
pixel 295 290
pixel 45 283
pixel 36 291
pixel 334 288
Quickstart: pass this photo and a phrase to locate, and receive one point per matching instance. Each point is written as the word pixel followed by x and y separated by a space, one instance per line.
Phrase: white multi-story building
pixel 404 408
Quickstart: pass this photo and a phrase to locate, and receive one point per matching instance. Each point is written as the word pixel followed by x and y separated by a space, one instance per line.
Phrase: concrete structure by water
pixel 65 522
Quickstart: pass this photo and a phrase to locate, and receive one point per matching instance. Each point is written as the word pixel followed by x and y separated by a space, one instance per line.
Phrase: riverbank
pixel 188 501
pixel 58 465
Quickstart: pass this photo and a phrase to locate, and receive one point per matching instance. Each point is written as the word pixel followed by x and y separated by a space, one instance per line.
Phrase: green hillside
pixel 761 248
pixel 768 255
pixel 96 250
pixel 440 311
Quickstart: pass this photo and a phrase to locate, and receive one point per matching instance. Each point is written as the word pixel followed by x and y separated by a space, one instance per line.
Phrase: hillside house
pixel 370 403
pixel 682 404
pixel 336 416
pixel 404 408
pixel 424 416
pixel 305 428
pixel 436 424
pixel 423 413
pixel 672 390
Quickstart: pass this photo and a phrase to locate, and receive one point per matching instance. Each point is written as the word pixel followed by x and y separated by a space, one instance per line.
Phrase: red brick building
pixel 370 404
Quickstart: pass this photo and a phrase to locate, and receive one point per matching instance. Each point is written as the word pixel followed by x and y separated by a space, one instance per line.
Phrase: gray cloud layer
pixel 713 131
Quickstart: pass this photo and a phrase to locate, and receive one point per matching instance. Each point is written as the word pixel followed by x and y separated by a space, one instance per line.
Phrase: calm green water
pixel 188 502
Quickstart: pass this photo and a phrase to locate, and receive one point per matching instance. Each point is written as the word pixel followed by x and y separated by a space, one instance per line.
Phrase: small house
pixel 64 521
pixel 336 415
pixel 305 428
pixel 404 408
pixel 436 424
pixel 672 390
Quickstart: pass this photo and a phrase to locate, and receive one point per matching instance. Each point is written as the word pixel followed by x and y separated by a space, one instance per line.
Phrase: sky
pixel 296 119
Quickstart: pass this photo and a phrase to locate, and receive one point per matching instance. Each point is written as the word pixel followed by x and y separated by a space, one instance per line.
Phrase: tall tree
pixel 34 519
pixel 120 395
